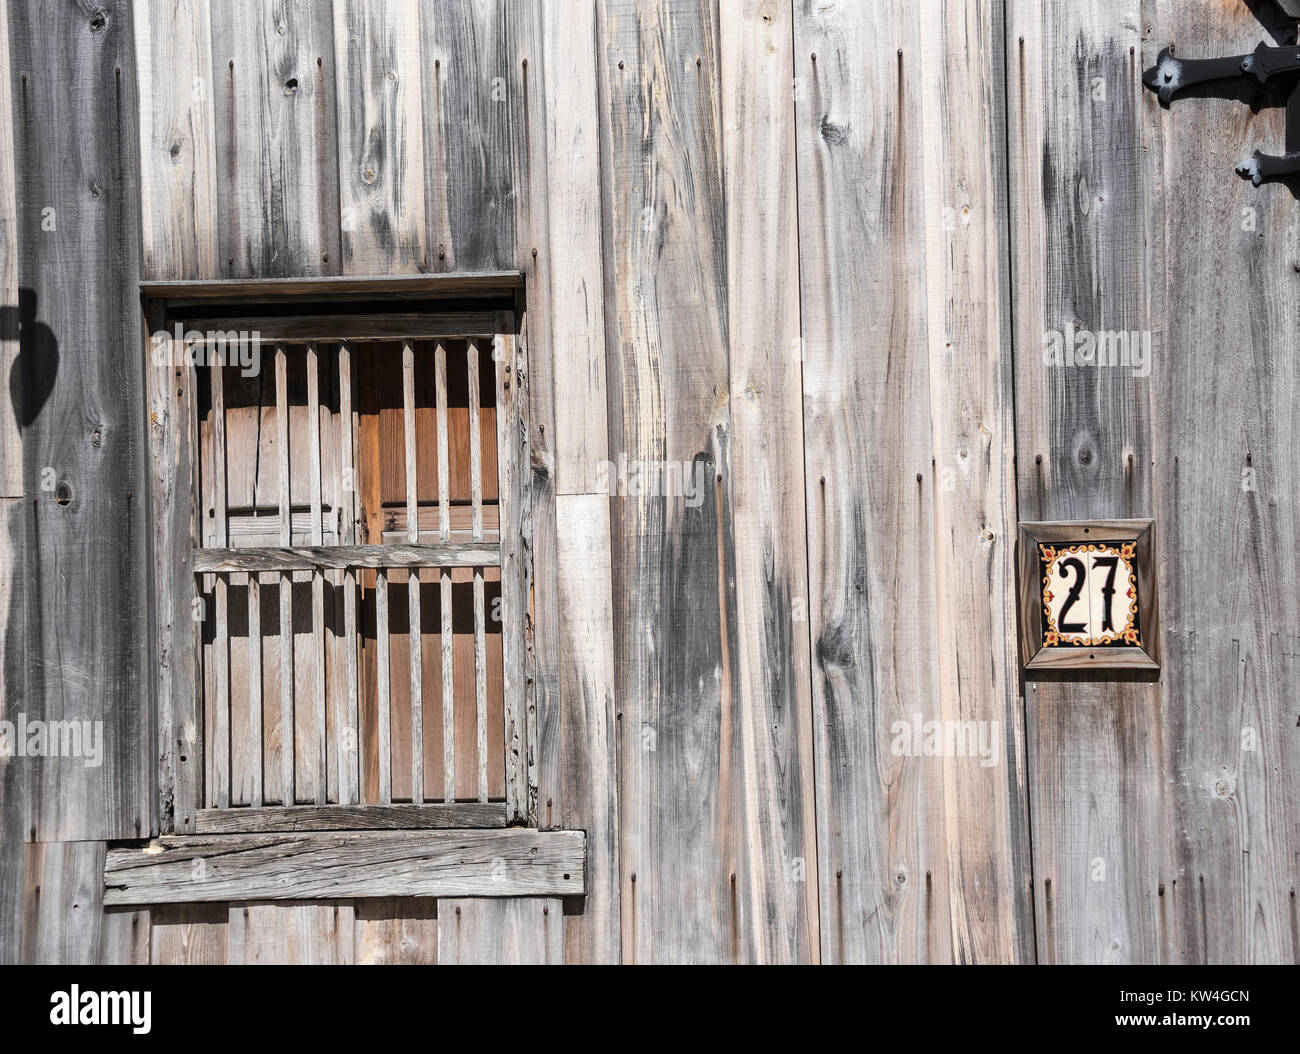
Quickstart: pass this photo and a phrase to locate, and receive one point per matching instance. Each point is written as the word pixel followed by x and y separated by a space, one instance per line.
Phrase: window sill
pixel 510 862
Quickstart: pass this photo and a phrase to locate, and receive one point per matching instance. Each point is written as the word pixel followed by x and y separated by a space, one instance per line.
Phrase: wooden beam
pixel 389 287
pixel 333 328
pixel 238 867
pixel 401 816
pixel 340 557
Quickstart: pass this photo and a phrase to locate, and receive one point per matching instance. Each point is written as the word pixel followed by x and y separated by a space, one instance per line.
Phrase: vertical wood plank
pixel 413 578
pixel 444 586
pixel 515 931
pixel 396 932
pixel 972 425
pixel 82 543
pixel 1084 445
pixel 381 153
pixel 384 691
pixel 219 754
pixel 11 440
pixel 512 470
pixel 666 362
pixel 287 737
pixel 276 120
pixel 476 530
pixel 189 935
pixel 283 935
pixel 867 478
pixel 256 702
pixel 778 889
pixel 317 580
pixel 347 721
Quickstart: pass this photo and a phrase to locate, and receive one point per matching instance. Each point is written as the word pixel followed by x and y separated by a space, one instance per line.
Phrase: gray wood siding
pixel 806 253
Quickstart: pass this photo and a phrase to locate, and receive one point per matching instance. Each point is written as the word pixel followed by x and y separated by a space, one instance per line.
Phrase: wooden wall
pixel 813 250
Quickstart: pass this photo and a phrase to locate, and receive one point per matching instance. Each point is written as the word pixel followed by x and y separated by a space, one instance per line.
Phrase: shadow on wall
pixel 31 379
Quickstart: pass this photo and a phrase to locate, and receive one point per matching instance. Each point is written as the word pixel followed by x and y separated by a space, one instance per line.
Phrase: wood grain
pixel 275 114
pixel 297 866
pixel 870 505
pixel 777 851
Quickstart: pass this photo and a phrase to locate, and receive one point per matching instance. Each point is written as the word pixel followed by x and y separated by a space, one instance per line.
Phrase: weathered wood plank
pixel 776 891
pixel 182 293
pixel 318 585
pixel 371 817
pixel 396 932
pixel 179 239
pixel 470 109
pixel 277 935
pixel 275 113
pixel 666 357
pixel 971 415
pixel 58 896
pixel 867 449
pixel 486 863
pixel 11 440
pixel 1223 391
pixel 381 154
pixel 516 560
pixel 83 550
pixel 524 931
pixel 189 935
pixel 178 141
pixel 589 722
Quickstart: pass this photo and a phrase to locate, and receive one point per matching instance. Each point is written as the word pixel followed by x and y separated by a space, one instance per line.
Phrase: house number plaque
pixel 1087 595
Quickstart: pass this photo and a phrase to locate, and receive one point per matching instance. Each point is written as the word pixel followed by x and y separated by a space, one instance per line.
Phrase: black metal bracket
pixel 1171 75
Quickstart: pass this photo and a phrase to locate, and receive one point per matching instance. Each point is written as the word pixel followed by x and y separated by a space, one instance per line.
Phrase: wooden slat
pixel 383 698
pixel 478 863
pixel 341 557
pixel 385 816
pixel 413 577
pixel 220 750
pixel 287 736
pixel 256 740
pixel 480 617
pixel 513 471
pixel 317 580
pixel 348 722
pixel 868 485
pixel 444 588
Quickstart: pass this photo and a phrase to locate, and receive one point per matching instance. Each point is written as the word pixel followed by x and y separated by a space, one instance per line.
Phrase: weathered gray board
pixel 637 169
pixel 76 616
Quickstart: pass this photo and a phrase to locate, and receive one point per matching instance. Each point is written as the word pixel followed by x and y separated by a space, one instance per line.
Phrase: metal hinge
pixel 1171 75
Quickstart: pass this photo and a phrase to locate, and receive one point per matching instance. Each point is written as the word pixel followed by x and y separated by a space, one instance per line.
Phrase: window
pixel 357 571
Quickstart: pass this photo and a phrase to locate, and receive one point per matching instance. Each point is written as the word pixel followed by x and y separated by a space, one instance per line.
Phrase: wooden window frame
pixel 179 557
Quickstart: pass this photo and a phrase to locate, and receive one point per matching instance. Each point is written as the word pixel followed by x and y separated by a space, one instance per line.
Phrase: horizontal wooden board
pixel 448 325
pixel 396 817
pixel 232 867
pixel 341 557
pixel 389 287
